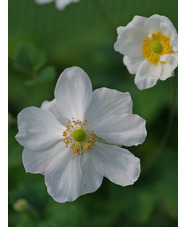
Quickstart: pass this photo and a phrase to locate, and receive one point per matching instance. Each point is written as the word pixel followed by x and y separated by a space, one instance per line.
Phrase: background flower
pixel 73 139
pixel 150 47
pixel 60 4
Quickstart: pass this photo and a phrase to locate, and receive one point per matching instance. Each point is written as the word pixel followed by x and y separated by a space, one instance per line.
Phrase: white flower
pixel 150 47
pixel 73 140
pixel 60 4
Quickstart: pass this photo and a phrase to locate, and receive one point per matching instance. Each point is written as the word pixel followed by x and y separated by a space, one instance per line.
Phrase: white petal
pixel 107 102
pixel 37 161
pixel 171 62
pixel 152 24
pixel 139 21
pixel 61 4
pixel 38 128
pixel 117 164
pixel 133 64
pixel 170 32
pixel 130 40
pixel 123 129
pixel 63 177
pixel 157 23
pixel 147 75
pixel 57 110
pixel 174 42
pixel 91 179
pixel 74 92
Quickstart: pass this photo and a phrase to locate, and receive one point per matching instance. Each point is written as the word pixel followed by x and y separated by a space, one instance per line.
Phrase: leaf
pixel 28 58
pixel 47 74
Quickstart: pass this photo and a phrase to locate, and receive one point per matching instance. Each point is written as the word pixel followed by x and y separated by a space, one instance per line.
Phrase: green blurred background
pixel 43 41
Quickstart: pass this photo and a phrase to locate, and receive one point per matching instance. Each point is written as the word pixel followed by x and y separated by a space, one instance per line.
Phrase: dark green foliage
pixel 29 58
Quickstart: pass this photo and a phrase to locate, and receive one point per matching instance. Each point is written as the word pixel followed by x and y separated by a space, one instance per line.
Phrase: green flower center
pixel 79 135
pixel 157 47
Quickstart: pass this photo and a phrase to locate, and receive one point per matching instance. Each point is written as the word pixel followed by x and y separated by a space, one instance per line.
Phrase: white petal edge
pixel 147 75
pixel 56 110
pixel 171 62
pixel 38 128
pixel 133 64
pixel 91 179
pixel 139 21
pixel 63 177
pixel 108 102
pixel 130 40
pixel 124 129
pixel 117 164
pixel 169 30
pixel 74 92
pixel 37 161
pixel 152 24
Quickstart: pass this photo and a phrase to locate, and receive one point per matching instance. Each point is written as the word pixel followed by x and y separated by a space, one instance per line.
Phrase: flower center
pixel 78 136
pixel 156 46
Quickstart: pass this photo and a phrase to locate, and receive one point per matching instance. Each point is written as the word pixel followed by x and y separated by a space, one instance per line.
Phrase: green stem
pixel 165 138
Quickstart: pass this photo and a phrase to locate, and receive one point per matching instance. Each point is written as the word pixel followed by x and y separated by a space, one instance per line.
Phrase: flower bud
pixel 21 205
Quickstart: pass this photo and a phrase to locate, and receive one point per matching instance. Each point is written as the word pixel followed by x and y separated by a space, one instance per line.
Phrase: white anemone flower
pixel 60 4
pixel 75 139
pixel 150 46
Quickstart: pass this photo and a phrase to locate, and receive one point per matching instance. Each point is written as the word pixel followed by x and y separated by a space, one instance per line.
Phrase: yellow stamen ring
pixel 156 46
pixel 79 137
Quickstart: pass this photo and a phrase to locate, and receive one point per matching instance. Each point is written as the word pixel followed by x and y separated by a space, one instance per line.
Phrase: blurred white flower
pixel 75 139
pixel 60 4
pixel 150 47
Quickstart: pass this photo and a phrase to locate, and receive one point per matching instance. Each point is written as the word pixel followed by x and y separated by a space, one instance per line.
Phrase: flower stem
pixel 165 138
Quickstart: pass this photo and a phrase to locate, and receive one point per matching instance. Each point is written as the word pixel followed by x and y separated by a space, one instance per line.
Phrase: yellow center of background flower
pixel 78 136
pixel 156 46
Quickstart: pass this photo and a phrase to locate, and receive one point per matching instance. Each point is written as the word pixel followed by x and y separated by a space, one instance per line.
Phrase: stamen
pixel 78 136
pixel 156 46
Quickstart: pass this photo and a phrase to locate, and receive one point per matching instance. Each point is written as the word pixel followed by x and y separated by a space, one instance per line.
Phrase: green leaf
pixel 28 58
pixel 47 74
